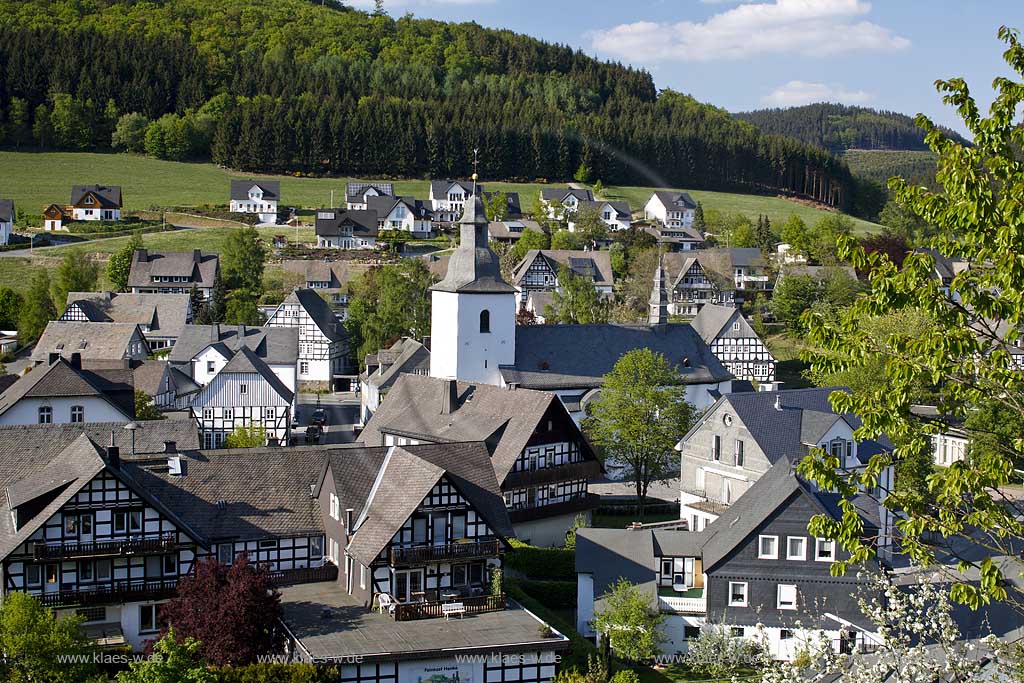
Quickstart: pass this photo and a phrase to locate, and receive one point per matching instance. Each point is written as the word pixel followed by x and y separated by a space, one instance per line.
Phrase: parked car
pixel 319 417
pixel 312 434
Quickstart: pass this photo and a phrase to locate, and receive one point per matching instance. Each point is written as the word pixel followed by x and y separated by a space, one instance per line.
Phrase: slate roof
pixel 320 312
pixel 806 415
pixel 669 236
pixel 41 442
pixel 505 419
pixel 439 188
pixel 6 210
pixel 266 491
pixel 512 228
pixel 108 195
pixel 353 469
pixel 164 314
pixel 408 475
pixel 405 356
pixel 816 272
pixel 354 191
pixel 115 386
pixel 578 356
pixel 675 201
pixel 711 319
pixel 149 374
pixel 200 268
pixel 590 264
pixel 511 202
pixel 363 222
pixel 557 194
pixel 383 206
pixel 474 267
pixel 621 209
pixel 273 345
pixel 240 189
pixel 94 341
pixel 336 273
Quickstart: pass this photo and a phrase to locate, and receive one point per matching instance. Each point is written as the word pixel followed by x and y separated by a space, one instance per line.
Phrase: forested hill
pixel 291 86
pixel 838 127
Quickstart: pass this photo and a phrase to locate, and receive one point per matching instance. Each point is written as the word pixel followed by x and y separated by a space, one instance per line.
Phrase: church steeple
pixel 473 267
pixel 659 296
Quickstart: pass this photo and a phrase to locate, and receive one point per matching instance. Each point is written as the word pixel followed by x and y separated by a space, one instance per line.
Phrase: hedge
pixel 552 593
pixel 580 647
pixel 542 563
pixel 276 673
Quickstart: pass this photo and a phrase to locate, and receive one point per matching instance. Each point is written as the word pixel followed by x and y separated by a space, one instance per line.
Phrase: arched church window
pixel 485 321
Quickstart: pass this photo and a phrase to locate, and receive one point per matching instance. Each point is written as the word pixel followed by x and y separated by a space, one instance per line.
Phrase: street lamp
pixel 131 427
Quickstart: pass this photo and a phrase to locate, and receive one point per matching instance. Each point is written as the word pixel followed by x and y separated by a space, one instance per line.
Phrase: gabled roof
pixel 579 356
pixel 621 209
pixel 362 222
pixel 816 272
pixel 504 418
pixel 244 361
pixel 512 228
pixel 404 356
pixel 319 312
pixel 439 188
pixel 512 207
pixel 109 196
pixel 675 201
pixel 273 345
pixel 164 314
pixel 240 189
pixel 200 268
pixel 383 206
pixel 354 191
pixel 35 442
pixel 559 194
pixel 595 265
pixel 336 273
pixel 6 210
pixel 94 341
pixel 60 379
pixel 408 474
pixel 711 319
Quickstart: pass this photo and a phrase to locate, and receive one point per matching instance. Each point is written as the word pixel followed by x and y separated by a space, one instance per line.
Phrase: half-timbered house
pixel 323 342
pixel 160 317
pixel 539 270
pixel 202 351
pixel 695 286
pixel 735 343
pixel 91 341
pixel 383 369
pixel 540 457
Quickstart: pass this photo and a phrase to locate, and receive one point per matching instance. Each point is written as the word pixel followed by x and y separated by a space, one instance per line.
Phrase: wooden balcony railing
pixel 115 548
pixel 118 591
pixel 427 554
pixel 578 504
pixel 410 611
pixel 290 577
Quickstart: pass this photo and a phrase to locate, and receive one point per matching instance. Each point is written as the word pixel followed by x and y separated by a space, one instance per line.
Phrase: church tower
pixel 659 296
pixel 473 309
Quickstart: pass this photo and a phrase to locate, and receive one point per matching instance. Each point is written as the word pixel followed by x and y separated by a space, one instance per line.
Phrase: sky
pixel 751 54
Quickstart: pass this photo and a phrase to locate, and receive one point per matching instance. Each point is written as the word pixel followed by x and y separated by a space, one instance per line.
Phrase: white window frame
pixel 362 576
pixel 746 594
pixel 761 554
pixel 817 550
pixel 335 507
pixel 802 555
pixel 791 606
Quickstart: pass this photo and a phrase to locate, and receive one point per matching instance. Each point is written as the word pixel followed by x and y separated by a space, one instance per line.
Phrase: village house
pixel 173 272
pixel 356 193
pixel 331 278
pixel 95 203
pixel 718 276
pixel 513 210
pixel 260 197
pixel 383 368
pixel 54 218
pixel 418 533
pixel 448 198
pixel 403 214
pixel 743 435
pixel 60 391
pixel 735 343
pixel 511 230
pixel 675 239
pixel 558 203
pixel 6 220
pixel 540 457
pixel 539 270
pixel 161 317
pixel 674 210
pixel 95 532
pixel 91 341
pixel 346 229
pixel 168 386
pixel 755 571
pixel 323 341
pixel 615 215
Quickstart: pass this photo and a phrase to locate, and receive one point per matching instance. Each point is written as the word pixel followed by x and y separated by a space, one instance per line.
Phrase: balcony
pixel 291 577
pixel 427 554
pixel 118 591
pixel 684 602
pixel 580 504
pixel 126 546
pixel 411 611
pixel 588 469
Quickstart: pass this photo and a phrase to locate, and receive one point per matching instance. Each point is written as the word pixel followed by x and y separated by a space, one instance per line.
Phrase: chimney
pixel 174 466
pixel 450 397
pixel 349 514
pixel 215 332
pixel 426 342
pixel 778 402
pixel 114 457
pixel 52 358
pixel 76 360
pixel 170 446
pixel 197 255
pixel 142 254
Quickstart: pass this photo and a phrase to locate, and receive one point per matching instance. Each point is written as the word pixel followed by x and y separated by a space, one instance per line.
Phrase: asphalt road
pixel 342 412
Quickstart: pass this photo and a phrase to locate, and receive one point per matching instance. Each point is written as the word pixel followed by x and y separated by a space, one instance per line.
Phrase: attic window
pixel 88 200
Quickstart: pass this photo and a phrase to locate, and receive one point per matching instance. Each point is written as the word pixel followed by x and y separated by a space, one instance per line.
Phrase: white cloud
pixel 796 93
pixel 808 27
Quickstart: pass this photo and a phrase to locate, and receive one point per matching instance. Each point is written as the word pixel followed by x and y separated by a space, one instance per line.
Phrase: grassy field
pixel 207 239
pixel 34 180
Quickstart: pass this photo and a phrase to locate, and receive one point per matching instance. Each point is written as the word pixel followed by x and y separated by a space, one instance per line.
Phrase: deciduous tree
pixel 632 625
pixel 171 662
pixel 120 264
pixel 242 261
pixel 76 273
pixel 144 408
pixel 576 301
pixel 387 303
pixel 38 309
pixel 32 639
pixel 563 239
pixel 531 239
pixel 246 437
pixel 10 308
